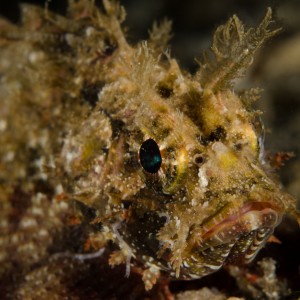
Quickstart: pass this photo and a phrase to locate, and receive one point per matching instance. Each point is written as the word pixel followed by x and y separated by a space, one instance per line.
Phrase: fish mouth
pixel 240 236
pixel 234 238
pixel 250 217
pixel 242 250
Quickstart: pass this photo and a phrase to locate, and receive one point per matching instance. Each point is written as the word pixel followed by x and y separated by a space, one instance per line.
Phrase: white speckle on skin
pixel 202 178
pixel 219 148
pixel 36 57
pixel 194 258
pixel 97 169
pixel 177 222
pixel 63 205
pixel 28 223
pixel 37 200
pixel 3 125
pixel 70 38
pixel 9 156
pixel 89 31
pixel 205 204
pixel 59 189
pixel 3 223
pixel 246 51
pixel 39 163
pixel 78 80
pixel 37 211
pixel 212 267
pixel 70 156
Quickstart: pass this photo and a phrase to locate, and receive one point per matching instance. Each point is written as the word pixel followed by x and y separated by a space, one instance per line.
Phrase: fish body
pixel 171 164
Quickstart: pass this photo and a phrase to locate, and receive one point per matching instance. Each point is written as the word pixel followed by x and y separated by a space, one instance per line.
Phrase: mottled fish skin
pixel 211 200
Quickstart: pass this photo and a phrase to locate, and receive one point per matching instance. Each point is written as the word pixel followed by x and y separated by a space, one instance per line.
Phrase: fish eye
pixel 149 156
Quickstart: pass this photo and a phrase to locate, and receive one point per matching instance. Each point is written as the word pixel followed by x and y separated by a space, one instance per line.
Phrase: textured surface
pixel 78 102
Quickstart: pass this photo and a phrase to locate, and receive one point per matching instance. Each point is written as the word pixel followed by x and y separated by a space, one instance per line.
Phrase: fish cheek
pixel 140 233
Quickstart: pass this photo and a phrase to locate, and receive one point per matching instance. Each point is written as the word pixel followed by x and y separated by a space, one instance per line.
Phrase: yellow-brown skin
pixel 211 202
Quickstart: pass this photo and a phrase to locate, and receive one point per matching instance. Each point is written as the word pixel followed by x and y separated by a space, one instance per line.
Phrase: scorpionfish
pixel 172 165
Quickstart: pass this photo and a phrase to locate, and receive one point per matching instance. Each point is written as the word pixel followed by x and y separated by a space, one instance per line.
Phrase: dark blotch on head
pixel 89 92
pixel 165 92
pixel 109 48
pixel 150 157
pixel 238 147
pixel 219 133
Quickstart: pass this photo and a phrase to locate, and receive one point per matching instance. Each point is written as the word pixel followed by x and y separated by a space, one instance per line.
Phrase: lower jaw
pixel 235 240
pixel 241 251
pixel 248 245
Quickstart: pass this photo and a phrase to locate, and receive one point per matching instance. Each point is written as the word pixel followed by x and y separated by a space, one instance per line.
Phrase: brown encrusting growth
pixel 114 162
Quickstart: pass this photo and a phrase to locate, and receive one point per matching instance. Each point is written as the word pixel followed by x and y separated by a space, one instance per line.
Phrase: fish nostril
pixel 199 159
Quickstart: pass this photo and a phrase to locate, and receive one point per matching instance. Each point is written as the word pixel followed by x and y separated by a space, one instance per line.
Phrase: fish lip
pixel 251 216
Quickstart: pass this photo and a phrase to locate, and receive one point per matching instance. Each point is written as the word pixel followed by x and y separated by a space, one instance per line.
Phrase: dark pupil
pixel 150 157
